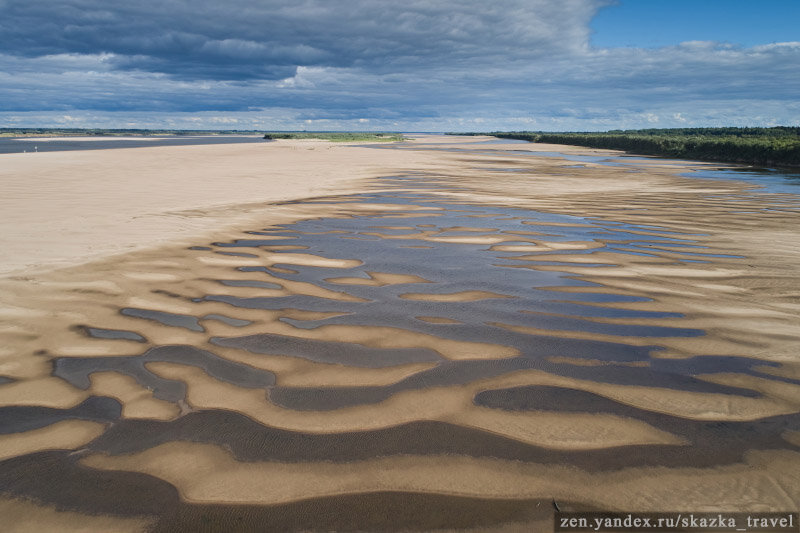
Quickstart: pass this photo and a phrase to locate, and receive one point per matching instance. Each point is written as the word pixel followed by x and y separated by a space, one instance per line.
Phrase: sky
pixel 384 65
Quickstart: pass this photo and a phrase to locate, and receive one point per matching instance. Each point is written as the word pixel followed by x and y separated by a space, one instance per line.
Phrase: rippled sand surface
pixel 455 347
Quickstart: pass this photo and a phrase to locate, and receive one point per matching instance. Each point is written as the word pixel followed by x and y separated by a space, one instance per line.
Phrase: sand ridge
pixel 407 294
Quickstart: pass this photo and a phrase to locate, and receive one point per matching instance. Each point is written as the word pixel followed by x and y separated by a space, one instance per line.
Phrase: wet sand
pixel 442 334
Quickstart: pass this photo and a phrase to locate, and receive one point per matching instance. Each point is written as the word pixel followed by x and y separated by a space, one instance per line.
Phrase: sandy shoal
pixel 207 473
pixel 67 209
pixel 61 209
pixel 64 208
pixel 70 208
pixel 82 209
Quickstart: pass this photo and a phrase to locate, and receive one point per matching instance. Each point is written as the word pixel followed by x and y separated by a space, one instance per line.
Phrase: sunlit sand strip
pixel 468 229
pixel 65 435
pixel 678 292
pixel 45 392
pixel 228 261
pixel 22 365
pixel 685 404
pixel 546 246
pixel 433 236
pixel 61 288
pixel 437 320
pixel 388 337
pixel 166 305
pixel 206 473
pixel 311 260
pixel 679 403
pixel 558 360
pixel 557 224
pixel 137 402
pixel 390 208
pixel 299 372
pixel 516 248
pixel 792 437
pixel 569 431
pixel 452 404
pixel 303 314
pixel 788 369
pixel 463 296
pixel 95 224
pixel 571 259
pixel 290 287
pixel 212 287
pixel 788 392
pixel 23 516
pixel 673 347
pixel 311 289
pixel 152 276
pixel 478 239
pixel 156 333
pixel 279 247
pixel 653 271
pixel 379 279
pixel 734 323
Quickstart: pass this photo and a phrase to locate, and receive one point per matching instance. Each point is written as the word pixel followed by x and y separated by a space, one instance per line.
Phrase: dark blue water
pixel 14 145
pixel 768 180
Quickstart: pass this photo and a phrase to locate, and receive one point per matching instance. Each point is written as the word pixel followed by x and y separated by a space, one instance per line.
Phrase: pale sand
pixel 463 296
pixel 740 300
pixel 207 473
pixel 379 279
pixel 750 307
pixel 455 404
pixel 63 208
pixel 22 516
pixel 59 436
pixel 451 404
pixel 137 402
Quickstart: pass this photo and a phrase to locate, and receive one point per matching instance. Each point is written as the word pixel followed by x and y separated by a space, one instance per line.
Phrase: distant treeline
pixel 116 132
pixel 335 136
pixel 779 146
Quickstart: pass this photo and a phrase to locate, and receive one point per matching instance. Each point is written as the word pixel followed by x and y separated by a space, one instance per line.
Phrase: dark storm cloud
pixel 248 39
pixel 436 64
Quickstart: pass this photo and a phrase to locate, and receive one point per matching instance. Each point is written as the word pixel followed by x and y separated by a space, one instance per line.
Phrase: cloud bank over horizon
pixel 371 65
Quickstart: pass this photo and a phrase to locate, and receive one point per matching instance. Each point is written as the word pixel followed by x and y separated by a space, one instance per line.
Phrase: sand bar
pixel 64 208
pixel 173 348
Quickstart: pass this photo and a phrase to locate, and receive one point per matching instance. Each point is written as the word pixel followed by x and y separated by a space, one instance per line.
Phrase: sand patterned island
pixel 444 333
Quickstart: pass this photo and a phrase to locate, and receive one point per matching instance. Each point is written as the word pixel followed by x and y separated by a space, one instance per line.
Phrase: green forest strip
pixel 779 146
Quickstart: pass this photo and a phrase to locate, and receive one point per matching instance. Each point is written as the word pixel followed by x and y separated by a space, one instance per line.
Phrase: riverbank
pixel 779 146
pixel 438 334
pixel 64 208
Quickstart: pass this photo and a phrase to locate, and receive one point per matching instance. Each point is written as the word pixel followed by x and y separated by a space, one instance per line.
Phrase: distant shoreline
pixel 148 133
pixel 114 137
pixel 110 133
pixel 772 147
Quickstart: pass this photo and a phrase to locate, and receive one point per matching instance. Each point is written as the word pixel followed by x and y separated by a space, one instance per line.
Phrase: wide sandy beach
pixel 438 334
